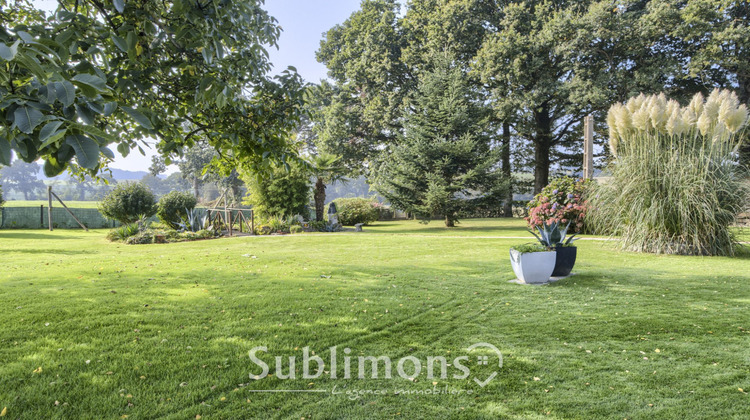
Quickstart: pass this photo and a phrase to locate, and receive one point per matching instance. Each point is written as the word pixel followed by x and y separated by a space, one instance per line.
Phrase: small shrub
pixel 318 225
pixel 331 227
pixel 296 229
pixel 188 236
pixel 526 248
pixel 123 232
pixel 263 230
pixel 274 224
pixel 205 234
pixel 128 202
pixel 356 210
pixel 561 201
pixel 140 239
pixel 173 207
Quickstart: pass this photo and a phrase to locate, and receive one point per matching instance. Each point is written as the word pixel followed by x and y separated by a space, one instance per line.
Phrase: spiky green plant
pixel 675 186
pixel 553 234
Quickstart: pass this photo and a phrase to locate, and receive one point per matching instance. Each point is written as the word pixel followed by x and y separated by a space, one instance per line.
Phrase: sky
pixel 303 22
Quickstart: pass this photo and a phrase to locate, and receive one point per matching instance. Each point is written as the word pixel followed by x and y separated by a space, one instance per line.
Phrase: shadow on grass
pixel 6 234
pixel 458 230
pixel 50 251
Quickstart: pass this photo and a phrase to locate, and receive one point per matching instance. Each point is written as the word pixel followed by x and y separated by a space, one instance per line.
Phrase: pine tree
pixel 444 163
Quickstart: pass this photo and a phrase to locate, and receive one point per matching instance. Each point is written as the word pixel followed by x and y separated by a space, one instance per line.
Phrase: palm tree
pixel 326 168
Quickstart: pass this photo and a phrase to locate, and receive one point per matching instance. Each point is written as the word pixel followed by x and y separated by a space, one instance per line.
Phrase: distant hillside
pixel 117 174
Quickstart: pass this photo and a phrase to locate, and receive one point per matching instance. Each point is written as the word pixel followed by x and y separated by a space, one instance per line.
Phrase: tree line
pixel 530 71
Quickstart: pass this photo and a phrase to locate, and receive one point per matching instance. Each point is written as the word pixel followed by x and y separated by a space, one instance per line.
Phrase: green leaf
pixel 120 43
pixel 132 40
pixel 26 37
pixel 96 132
pixel 27 118
pixel 106 151
pixel 87 150
pixel 9 53
pixel 91 81
pixel 66 93
pixel 53 168
pixel 119 5
pixel 48 130
pixel 141 119
pixel 4 152
pixel 32 64
pixel 109 108
pixel 51 93
pixel 124 149
pixel 85 114
pixel 57 135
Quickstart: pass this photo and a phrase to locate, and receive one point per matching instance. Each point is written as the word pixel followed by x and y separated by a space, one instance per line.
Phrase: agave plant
pixel 194 221
pixel 552 235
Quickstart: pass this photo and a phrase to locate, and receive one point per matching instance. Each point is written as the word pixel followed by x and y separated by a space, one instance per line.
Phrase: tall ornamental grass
pixel 675 186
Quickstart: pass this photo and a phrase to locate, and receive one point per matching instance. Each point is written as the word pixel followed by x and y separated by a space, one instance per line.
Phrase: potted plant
pixel 552 236
pixel 532 263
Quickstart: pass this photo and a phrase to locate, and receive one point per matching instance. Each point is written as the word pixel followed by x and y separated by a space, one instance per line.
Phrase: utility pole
pixel 588 147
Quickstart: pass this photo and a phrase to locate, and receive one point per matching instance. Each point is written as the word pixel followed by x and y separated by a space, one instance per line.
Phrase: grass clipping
pixel 675 185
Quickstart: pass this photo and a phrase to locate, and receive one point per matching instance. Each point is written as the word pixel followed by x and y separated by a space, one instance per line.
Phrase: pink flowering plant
pixel 560 202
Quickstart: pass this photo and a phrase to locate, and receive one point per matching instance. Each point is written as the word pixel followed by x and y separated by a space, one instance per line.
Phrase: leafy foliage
pixel 128 202
pixel 561 201
pixel 173 207
pixel 527 248
pixel 123 232
pixel 283 193
pixel 96 75
pixel 674 186
pixel 2 201
pixel 351 211
pixel 142 238
pixel 552 235
pixel 444 163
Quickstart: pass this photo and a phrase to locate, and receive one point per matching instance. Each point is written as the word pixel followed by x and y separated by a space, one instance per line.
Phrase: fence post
pixel 588 147
pixel 41 216
pixel 49 209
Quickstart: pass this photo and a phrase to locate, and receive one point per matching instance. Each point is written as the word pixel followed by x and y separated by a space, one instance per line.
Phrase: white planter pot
pixel 533 267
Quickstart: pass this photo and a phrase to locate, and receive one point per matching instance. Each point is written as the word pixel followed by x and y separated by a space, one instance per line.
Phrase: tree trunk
pixel 320 199
pixel 507 173
pixel 195 188
pixel 449 222
pixel 542 146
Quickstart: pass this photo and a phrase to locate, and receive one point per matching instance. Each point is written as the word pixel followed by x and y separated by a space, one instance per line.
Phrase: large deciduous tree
pixel 101 74
pixel 22 177
pixel 372 82
pixel 443 165
pixel 716 35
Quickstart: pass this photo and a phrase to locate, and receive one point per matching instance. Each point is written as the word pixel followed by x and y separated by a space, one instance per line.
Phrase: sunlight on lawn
pixel 171 325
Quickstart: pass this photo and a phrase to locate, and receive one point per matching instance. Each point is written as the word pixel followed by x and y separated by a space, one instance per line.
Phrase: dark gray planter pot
pixel 566 259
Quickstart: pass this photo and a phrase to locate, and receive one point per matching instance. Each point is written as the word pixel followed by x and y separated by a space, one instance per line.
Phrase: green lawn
pixel 36 203
pixel 164 330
